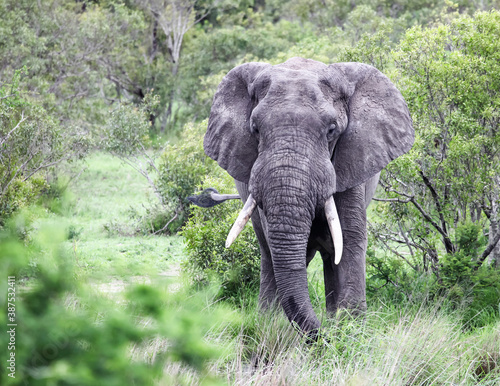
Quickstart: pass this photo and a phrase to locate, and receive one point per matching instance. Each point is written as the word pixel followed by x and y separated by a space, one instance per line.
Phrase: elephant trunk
pixel 291 181
pixel 288 250
pixel 289 206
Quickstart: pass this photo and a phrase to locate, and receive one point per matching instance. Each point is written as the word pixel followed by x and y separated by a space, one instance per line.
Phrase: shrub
pixel 31 142
pixel 461 286
pixel 20 194
pixel 173 175
pixel 64 335
pixel 181 170
pixel 458 267
pixel 465 285
pixel 237 267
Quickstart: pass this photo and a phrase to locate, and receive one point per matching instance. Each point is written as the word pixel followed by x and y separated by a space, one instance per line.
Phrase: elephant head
pixel 297 133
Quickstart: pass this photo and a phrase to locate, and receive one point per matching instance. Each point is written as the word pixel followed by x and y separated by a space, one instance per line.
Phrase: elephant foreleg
pixel 345 284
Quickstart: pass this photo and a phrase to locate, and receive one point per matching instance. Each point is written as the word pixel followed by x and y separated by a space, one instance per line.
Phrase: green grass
pixel 103 237
pixel 411 347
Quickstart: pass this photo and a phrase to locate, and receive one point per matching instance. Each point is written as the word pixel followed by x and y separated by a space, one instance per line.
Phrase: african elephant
pixel 305 143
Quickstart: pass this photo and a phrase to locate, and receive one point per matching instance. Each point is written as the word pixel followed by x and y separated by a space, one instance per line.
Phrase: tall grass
pixel 413 347
pixel 424 345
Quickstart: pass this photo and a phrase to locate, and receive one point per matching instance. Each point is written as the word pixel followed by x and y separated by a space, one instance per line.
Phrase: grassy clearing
pixel 102 234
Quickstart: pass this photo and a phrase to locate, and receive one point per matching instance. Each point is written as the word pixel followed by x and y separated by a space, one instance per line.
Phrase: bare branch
pixel 432 222
pixel 444 232
pixel 20 169
pixel 391 200
pixel 168 223
pixel 45 166
pixel 399 255
pixel 448 244
pixel 135 164
pixel 403 233
pixel 392 237
pixel 151 161
pixel 4 139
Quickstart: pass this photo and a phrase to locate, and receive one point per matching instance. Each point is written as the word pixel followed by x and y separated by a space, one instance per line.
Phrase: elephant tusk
pixel 334 224
pixel 242 219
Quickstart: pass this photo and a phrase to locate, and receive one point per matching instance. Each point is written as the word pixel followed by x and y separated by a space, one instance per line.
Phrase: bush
pixel 64 335
pixel 20 194
pixel 181 170
pixel 126 133
pixel 458 267
pixel 461 286
pixel 237 267
pixel 31 142
pixel 465 285
pixel 173 175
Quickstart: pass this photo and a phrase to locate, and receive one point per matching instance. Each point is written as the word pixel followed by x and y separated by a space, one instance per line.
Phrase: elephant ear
pixel 379 124
pixel 228 139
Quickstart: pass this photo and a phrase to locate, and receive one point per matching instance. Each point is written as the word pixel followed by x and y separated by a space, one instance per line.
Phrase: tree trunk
pixel 494 257
pixel 171 98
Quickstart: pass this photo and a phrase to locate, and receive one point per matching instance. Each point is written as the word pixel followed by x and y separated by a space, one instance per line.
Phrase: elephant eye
pixel 254 128
pixel 332 128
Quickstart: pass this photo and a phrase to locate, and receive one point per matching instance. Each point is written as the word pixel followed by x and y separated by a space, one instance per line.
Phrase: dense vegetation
pixel 134 79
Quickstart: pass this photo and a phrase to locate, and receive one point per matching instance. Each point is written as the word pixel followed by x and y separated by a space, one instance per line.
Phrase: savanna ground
pixel 412 343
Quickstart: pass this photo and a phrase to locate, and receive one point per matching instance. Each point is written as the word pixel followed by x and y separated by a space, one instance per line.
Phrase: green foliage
pixel 447 75
pixel 127 135
pixel 211 52
pixel 459 266
pixel 31 142
pixel 458 286
pixel 126 132
pixel 66 335
pixel 475 290
pixel 79 55
pixel 20 194
pixel 371 48
pixel 181 170
pixel 484 308
pixel 237 267
pixel 83 55
pixel 56 196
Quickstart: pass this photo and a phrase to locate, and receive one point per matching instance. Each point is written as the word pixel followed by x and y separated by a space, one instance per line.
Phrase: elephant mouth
pixel 331 214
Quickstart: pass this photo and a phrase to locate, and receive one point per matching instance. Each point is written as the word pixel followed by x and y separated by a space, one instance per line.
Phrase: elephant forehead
pixel 294 84
pixel 303 64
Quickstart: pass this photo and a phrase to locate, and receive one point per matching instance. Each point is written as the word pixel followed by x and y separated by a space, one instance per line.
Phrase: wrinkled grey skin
pixel 292 135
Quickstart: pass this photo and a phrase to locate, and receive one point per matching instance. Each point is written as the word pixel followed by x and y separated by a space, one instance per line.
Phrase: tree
pixel 175 18
pixel 31 142
pixel 450 77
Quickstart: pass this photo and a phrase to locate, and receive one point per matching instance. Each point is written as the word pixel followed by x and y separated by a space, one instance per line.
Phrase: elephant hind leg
pixel 331 291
